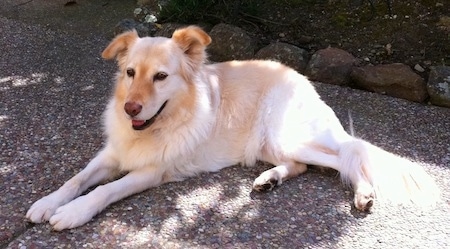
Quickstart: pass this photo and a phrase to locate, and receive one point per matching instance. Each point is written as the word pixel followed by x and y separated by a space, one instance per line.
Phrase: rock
pixel 331 65
pixel 285 53
pixel 143 29
pixel 444 23
pixel 439 85
pixel 397 80
pixel 230 43
pixel 304 39
pixel 167 29
pixel 419 68
pixel 143 2
pixel 125 25
pixel 145 15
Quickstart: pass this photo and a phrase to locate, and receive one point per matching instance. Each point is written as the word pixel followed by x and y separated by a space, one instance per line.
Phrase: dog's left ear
pixel 193 41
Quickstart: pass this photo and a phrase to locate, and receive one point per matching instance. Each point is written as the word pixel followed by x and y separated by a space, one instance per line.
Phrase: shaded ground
pixel 84 18
pixel 53 89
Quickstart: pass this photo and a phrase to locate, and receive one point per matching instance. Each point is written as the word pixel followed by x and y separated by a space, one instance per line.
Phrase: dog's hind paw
pixel 266 181
pixel 264 187
pixel 364 198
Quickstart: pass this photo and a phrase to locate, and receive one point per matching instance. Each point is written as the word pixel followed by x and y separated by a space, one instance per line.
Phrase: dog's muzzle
pixel 143 124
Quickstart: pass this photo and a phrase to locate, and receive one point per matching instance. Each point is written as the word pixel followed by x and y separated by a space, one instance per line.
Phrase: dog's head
pixel 154 71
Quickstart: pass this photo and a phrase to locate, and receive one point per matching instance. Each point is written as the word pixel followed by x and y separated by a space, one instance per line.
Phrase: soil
pixel 410 32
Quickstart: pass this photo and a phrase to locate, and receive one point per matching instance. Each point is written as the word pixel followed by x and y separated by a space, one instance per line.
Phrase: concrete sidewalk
pixel 53 89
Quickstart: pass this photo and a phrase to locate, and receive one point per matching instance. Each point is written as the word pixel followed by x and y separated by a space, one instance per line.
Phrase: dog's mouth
pixel 142 124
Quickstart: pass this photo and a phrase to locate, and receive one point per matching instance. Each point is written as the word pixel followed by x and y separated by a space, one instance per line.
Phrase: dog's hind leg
pixel 102 167
pixel 275 176
pixel 358 175
pixel 293 166
pixel 314 154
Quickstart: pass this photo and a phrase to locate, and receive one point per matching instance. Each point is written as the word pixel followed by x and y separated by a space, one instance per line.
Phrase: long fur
pixel 393 178
pixel 215 116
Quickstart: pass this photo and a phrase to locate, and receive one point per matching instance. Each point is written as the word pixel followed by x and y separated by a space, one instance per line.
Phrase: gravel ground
pixel 53 89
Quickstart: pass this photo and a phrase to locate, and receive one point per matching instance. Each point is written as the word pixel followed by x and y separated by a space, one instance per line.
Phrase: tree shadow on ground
pixel 219 209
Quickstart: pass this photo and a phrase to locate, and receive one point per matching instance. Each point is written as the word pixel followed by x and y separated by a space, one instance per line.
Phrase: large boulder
pixel 439 86
pixel 285 53
pixel 397 80
pixel 230 43
pixel 331 65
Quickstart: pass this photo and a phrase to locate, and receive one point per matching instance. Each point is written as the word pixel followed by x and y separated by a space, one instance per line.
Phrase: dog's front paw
pixel 266 181
pixel 42 209
pixel 73 214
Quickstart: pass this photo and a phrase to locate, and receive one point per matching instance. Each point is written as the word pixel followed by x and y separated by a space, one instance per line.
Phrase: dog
pixel 173 115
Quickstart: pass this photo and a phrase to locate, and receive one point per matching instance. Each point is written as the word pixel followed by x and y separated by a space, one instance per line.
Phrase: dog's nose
pixel 132 108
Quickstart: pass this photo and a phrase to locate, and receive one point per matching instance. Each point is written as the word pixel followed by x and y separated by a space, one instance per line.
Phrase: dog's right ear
pixel 119 46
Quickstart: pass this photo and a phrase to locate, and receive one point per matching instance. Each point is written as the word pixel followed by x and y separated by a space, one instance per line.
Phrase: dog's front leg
pixel 82 209
pixel 102 167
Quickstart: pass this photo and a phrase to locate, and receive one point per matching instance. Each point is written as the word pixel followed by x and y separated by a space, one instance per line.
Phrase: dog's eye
pixel 160 76
pixel 130 72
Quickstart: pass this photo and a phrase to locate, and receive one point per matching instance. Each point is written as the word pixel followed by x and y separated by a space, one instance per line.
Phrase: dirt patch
pixel 416 33
pixel 411 32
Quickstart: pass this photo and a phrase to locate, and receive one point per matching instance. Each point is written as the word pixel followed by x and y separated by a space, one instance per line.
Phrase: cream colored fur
pixel 218 115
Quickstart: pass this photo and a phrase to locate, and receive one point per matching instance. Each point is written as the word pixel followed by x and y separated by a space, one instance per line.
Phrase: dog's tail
pixel 392 177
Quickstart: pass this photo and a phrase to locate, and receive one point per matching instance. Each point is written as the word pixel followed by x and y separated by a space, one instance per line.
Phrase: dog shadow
pixel 222 209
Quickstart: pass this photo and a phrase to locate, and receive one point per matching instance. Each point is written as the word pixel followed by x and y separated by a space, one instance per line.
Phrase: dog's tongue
pixel 137 123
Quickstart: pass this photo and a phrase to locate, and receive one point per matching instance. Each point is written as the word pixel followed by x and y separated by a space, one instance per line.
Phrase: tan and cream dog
pixel 173 116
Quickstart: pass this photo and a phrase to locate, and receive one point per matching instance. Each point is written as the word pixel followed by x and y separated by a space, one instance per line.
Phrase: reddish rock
pixel 331 65
pixel 397 80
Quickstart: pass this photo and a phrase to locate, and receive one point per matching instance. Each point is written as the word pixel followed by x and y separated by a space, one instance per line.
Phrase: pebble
pixel 419 68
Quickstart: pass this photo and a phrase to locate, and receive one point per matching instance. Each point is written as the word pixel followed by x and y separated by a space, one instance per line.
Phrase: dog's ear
pixel 193 41
pixel 119 46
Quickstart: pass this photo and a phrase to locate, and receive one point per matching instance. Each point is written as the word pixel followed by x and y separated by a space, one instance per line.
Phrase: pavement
pixel 53 89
